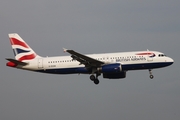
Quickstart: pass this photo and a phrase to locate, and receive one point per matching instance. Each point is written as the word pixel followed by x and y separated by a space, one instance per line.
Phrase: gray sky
pixel 90 26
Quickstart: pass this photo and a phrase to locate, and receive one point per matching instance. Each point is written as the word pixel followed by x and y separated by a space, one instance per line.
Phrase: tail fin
pixel 21 49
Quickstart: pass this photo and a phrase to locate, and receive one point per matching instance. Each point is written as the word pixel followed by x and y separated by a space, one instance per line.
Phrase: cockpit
pixel 161 55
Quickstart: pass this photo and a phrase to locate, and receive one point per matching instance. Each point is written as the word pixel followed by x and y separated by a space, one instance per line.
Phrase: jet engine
pixel 110 68
pixel 114 75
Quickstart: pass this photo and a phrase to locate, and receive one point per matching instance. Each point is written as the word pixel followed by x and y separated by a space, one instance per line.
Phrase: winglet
pixel 65 50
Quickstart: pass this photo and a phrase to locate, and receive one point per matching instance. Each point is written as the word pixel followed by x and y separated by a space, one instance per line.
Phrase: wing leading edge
pixel 83 59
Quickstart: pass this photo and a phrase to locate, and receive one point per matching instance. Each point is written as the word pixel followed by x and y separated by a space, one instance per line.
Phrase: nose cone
pixel 170 61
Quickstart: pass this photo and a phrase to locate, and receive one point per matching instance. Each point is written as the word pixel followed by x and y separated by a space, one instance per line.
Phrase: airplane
pixel 110 65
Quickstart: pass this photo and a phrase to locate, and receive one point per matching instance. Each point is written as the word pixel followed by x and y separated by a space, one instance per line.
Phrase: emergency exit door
pixel 40 63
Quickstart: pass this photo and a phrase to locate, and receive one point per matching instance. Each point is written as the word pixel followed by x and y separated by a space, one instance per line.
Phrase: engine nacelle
pixel 110 68
pixel 114 75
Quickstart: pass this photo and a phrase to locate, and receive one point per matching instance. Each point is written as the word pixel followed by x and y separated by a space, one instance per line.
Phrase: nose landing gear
pixel 150 72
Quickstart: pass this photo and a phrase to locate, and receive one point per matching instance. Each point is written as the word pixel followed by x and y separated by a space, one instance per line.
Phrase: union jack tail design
pixel 21 49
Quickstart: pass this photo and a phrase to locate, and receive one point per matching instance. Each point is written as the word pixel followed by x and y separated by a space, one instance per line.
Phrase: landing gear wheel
pixel 96 81
pixel 151 76
pixel 150 72
pixel 95 78
pixel 92 77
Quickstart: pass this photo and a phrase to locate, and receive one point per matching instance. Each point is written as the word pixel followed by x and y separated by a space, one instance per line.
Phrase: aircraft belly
pixel 142 66
pixel 65 70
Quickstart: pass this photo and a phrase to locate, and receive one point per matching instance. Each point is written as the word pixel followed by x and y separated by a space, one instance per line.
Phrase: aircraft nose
pixel 170 60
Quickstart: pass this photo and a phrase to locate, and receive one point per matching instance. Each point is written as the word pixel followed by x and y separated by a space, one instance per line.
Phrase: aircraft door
pixel 40 63
pixel 149 58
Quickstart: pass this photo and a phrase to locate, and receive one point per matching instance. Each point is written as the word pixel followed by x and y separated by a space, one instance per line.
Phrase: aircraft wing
pixel 83 59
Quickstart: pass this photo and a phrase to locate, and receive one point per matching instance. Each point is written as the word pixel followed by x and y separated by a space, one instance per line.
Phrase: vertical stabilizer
pixel 22 51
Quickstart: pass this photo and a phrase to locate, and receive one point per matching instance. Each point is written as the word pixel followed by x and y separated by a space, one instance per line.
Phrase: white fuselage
pixel 128 61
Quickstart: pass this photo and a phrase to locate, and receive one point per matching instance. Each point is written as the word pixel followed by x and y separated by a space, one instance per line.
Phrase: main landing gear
pixel 150 72
pixel 94 79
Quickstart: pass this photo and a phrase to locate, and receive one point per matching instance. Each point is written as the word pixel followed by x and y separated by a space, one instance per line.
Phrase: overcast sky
pixel 90 26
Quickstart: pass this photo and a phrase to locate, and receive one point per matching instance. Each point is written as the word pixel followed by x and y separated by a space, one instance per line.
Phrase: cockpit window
pixel 161 55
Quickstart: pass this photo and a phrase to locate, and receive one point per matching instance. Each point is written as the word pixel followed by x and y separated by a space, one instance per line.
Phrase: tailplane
pixel 22 51
pixel 14 63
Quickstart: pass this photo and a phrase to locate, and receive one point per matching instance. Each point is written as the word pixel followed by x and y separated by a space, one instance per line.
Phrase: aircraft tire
pixel 151 76
pixel 92 77
pixel 96 81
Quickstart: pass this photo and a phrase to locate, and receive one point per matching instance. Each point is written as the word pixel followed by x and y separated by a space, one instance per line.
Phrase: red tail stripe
pixel 14 41
pixel 27 57
pixel 144 54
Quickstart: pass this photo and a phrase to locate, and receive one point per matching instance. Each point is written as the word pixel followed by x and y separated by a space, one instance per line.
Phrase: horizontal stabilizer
pixel 16 61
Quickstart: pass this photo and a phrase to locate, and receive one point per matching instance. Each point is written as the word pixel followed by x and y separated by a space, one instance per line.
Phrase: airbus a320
pixel 110 65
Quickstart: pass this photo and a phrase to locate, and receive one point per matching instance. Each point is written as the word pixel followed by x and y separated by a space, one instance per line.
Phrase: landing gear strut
pixel 94 79
pixel 150 72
